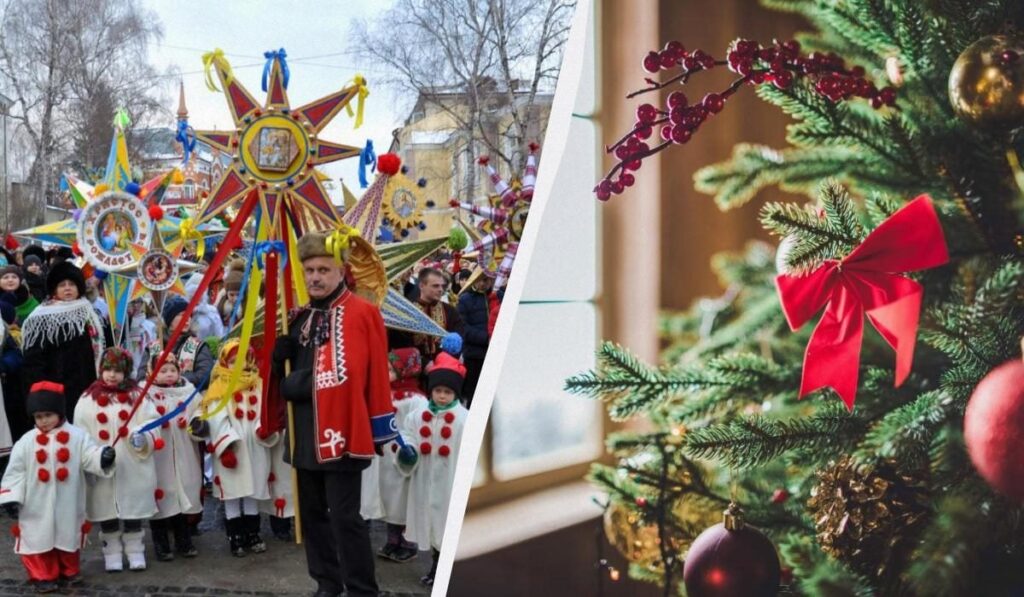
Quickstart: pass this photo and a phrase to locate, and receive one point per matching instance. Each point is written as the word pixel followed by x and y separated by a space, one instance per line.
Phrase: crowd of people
pixel 377 417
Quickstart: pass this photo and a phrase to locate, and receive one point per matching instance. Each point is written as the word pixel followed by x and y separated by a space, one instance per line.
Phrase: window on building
pixel 538 435
pixel 188 189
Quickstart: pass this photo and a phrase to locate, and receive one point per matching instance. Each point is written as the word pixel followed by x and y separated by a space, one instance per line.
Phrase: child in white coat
pixel 438 429
pixel 120 503
pixel 44 488
pixel 178 466
pixel 241 464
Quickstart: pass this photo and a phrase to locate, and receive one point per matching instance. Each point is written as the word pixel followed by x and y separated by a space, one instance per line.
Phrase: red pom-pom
pixel 994 429
pixel 228 459
pixel 253 399
pixel 425 448
pixel 158 443
pixel 103 401
pixel 158 494
pixel 122 432
pixel 102 417
pixel 62 474
pixel 44 475
pixel 123 415
pixel 104 434
pixel 75 249
pixel 271 478
pixel 389 163
pixel 444 451
pixel 446 432
pixel 251 415
pixel 63 436
pixel 63 455
pixel 238 413
pixel 182 423
pixel 453 202
pixel 238 397
pixel 428 416
pixel 11 243
pixel 86 527
pixel 483 160
pixel 156 212
pixel 122 397
pixel 42 439
pixel 16 530
pixel 279 503
pixel 216 479
pixel 165 425
pixel 449 418
pixel 161 409
pixel 210 449
pixel 40 456
pixel 425 431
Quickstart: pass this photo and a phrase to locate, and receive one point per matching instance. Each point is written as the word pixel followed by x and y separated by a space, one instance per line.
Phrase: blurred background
pixel 604 272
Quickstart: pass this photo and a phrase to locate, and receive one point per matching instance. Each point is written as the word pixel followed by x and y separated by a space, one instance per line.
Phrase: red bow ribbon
pixel 865 282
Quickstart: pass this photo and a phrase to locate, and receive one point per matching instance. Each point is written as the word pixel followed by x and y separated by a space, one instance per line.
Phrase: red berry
pixel 641 501
pixel 646 113
pixel 888 96
pixel 876 102
pixel 652 62
pixel 758 78
pixel 622 152
pixel 633 165
pixel 713 103
pixel 767 54
pixel 857 71
pixel 677 99
pixel 1009 57
pixel 783 79
pixel 666 132
pixel 603 195
pixel 680 135
pixel 627 179
pixel 618 187
pixel 643 132
pixel 777 66
pixel 793 46
pixel 668 59
pixel 690 63
pixel 676 48
pixel 780 496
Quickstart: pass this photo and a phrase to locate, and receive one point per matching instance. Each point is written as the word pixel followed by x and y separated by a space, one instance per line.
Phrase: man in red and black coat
pixel 339 386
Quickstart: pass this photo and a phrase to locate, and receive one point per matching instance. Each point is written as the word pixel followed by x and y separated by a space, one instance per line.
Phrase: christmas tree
pixel 873 468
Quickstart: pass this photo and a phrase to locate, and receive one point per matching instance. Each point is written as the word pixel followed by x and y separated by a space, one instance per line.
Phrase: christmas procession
pixel 260 355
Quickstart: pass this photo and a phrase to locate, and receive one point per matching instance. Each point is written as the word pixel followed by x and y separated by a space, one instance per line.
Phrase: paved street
pixel 279 571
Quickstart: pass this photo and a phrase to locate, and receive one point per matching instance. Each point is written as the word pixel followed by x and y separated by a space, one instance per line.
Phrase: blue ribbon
pixel 270 246
pixel 63 183
pixel 187 138
pixel 271 56
pixel 367 159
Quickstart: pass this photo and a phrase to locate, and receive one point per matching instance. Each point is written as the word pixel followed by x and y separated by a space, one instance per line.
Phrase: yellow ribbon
pixel 216 56
pixel 359 81
pixel 188 231
pixel 295 266
pixel 339 240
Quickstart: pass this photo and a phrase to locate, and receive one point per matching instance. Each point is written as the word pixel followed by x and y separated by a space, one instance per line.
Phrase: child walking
pixel 438 428
pixel 44 488
pixel 120 503
pixel 178 471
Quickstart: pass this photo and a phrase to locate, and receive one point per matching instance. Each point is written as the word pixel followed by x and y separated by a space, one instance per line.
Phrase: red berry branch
pixel 778 64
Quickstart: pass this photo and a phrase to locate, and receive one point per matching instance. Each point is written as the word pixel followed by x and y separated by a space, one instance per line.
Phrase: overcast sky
pixel 314 35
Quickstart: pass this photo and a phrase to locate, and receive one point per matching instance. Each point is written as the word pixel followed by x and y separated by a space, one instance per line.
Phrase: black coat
pixel 199 376
pixel 70 363
pixel 14 393
pixel 474 311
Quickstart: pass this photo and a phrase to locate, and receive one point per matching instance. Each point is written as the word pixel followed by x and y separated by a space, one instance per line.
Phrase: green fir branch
pixel 905 434
pixel 817 574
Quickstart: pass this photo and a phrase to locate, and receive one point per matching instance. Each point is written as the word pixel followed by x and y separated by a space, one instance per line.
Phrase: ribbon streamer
pixel 865 282
pixel 187 138
pixel 362 91
pixel 338 241
pixel 367 159
pixel 209 58
pixel 267 247
pixel 271 56
pixel 121 120
pixel 187 230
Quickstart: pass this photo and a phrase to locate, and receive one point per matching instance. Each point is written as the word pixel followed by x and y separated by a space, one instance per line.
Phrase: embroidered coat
pixel 46 476
pixel 436 437
pixel 178 471
pixel 131 492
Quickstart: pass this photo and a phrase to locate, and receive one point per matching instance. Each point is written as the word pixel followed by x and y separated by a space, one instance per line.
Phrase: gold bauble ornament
pixel 638 541
pixel 986 85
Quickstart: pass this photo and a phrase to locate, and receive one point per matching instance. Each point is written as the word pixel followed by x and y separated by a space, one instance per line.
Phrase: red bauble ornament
pixel 994 429
pixel 731 559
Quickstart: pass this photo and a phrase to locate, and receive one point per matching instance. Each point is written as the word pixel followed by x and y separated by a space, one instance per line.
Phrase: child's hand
pixel 107 458
pixel 137 441
pixel 11 509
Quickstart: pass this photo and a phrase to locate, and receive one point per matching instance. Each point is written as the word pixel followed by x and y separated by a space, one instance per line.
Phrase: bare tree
pixel 61 62
pixel 474 60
